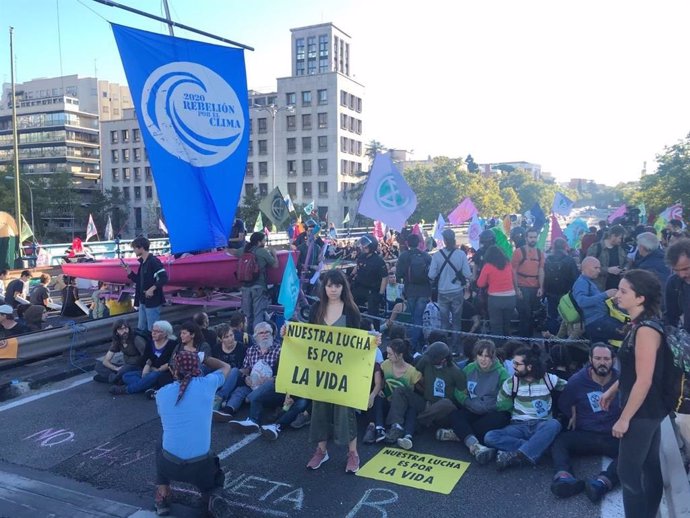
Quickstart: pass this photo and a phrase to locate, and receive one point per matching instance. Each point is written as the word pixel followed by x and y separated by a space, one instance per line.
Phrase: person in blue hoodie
pixel 589 428
pixel 650 257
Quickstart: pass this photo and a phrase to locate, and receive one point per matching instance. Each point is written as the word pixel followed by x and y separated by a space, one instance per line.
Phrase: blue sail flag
pixel 192 105
pixel 289 289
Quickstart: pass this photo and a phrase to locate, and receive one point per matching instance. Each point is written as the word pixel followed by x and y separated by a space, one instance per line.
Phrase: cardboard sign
pixel 8 348
pixel 418 470
pixel 329 364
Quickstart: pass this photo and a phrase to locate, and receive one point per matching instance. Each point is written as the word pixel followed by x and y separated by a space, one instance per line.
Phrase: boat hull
pixel 212 269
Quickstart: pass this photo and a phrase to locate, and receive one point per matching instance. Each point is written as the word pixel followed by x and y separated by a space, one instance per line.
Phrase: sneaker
pixel 380 434
pixel 482 454
pixel 99 378
pixel 246 426
pixel 405 442
pixel 150 393
pixel 270 431
pixel 162 505
pixel 595 489
pixel 318 459
pixel 222 416
pixel 370 434
pixel 118 390
pixel 566 486
pixel 394 433
pixel 352 465
pixel 301 420
pixel 446 434
pixel 507 459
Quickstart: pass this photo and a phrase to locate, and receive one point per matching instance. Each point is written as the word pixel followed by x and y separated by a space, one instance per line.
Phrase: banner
pixel 561 205
pixel 502 242
pixel 109 236
pixel 387 197
pixel 347 218
pixel 162 227
pixel 289 289
pixel 462 212
pixel 191 103
pixel 538 216
pixel 474 231
pixel 330 364
pixel 618 213
pixel 574 232
pixel 90 229
pixel 275 208
pixel 309 208
pixel 675 211
pixel 8 348
pixel 412 469
pixel 27 232
pixel 288 202
pixel 259 225
pixel 541 242
pixel 556 231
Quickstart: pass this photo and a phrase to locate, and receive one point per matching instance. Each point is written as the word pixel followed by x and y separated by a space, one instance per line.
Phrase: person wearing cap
pixel 8 325
pixel 370 277
pixel 451 270
pixel 185 408
pixel 432 400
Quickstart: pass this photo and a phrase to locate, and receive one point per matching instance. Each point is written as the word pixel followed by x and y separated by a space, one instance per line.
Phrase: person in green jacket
pixel 479 411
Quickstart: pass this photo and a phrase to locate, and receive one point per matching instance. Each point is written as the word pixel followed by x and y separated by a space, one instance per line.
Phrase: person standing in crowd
pixel 41 295
pixel 369 277
pixel 587 240
pixel 335 308
pixel 589 427
pixel 149 281
pixel 560 272
pixel 650 257
pixel 479 411
pixel 532 428
pixel 677 289
pixel 18 290
pixel 528 274
pixel 451 271
pixel 238 234
pixel 255 292
pixel 611 256
pixel 644 360
pixel 412 269
pixel 130 345
pixel 185 408
pixel 497 277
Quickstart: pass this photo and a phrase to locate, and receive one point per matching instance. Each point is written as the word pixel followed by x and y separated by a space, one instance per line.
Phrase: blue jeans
pixel 237 397
pixel 532 438
pixel 416 306
pixel 230 384
pixel 553 319
pixel 147 316
pixel 526 306
pixel 580 442
pixel 605 329
pixel 451 304
pixel 299 406
pixel 262 394
pixel 135 382
pixel 254 304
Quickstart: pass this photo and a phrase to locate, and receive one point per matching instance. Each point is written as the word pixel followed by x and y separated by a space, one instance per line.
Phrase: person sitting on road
pixel 157 357
pixel 480 411
pixel 432 399
pixel 3 278
pixel 17 291
pixel 70 296
pixel 232 352
pixel 8 326
pixel 210 337
pixel 589 427
pixel 532 428
pixel 185 408
pixel 127 344
pixel 192 339
pixel 257 377
pixel 35 318
pixel 599 325
pixel 40 294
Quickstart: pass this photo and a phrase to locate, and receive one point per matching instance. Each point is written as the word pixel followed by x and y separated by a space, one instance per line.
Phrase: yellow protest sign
pixel 330 364
pixel 417 470
pixel 8 348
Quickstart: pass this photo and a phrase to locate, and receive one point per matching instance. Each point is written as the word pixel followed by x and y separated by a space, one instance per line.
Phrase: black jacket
pixel 151 272
pixel 675 308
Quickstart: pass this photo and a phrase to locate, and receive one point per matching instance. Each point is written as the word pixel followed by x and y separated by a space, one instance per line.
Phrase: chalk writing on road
pixel 50 437
pixel 116 454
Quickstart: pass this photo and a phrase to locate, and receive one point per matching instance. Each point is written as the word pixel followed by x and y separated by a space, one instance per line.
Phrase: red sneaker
pixel 319 458
pixel 352 462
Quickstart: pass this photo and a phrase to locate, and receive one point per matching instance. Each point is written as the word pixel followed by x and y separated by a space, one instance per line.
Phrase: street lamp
pixel 31 198
pixel 273 110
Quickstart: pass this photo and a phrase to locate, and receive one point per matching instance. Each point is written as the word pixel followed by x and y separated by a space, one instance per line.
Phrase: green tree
pixel 373 147
pixel 249 210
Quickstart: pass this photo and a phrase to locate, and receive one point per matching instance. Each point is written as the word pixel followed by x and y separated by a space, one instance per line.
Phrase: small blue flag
pixel 289 289
pixel 538 216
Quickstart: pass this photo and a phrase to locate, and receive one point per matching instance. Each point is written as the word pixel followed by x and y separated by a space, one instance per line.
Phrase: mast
pixel 167 16
pixel 15 138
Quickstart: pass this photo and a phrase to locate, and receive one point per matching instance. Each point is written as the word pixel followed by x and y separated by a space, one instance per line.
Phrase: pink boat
pixel 209 270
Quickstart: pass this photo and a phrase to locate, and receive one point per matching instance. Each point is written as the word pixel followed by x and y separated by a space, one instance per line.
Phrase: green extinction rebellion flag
pixel 275 208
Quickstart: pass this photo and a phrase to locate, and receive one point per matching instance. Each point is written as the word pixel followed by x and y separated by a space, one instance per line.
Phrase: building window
pixel 149 192
pixel 250 152
pixel 115 155
pixel 125 193
pixel 343 121
pixel 251 127
pixel 344 167
pixel 125 135
pixel 114 138
pixel 323 189
pixel 125 155
pixel 292 145
pixel 306 144
pixel 359 104
pixel 137 173
pixel 323 143
pixel 291 122
pixel 136 135
pixel 126 175
pixel 311 47
pixel 115 173
pixel 147 173
pixel 323 166
pixel 311 67
pixel 306 98
pixel 263 147
pixel 292 189
pixel 249 170
pixel 322 120
pixel 292 167
pixel 306 167
pixel 263 127
pixel 290 98
pixel 322 96
pixel 248 189
pixel 137 218
pixel 323 45
pixel 343 98
pixel 137 154
pixel 300 68
pixel 323 65
pixel 343 144
pixel 299 48
pixel 359 149
pixel 263 189
pixel 263 168
pixel 306 188
pixel 306 121
pixel 137 193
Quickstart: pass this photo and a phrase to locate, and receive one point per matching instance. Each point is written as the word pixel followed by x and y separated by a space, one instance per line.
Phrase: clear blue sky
pixel 587 89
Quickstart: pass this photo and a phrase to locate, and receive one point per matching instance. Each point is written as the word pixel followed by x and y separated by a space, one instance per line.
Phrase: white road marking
pixel 238 445
pixel 40 395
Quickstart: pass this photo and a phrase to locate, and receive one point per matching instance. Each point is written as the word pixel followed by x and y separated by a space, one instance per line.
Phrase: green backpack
pixel 569 310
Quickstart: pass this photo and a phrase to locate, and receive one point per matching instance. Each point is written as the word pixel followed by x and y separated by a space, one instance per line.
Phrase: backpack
pixel 459 276
pixel 555 273
pixel 247 267
pixel 418 270
pixel 675 390
pixel 569 310
pixel 516 385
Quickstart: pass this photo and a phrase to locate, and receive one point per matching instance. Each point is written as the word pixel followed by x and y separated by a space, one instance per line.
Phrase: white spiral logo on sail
pixel 193 113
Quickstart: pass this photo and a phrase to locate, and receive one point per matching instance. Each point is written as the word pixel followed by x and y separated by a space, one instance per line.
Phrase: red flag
pixel 556 231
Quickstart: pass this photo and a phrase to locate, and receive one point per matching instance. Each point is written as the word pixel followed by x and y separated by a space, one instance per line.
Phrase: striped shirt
pixel 533 399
